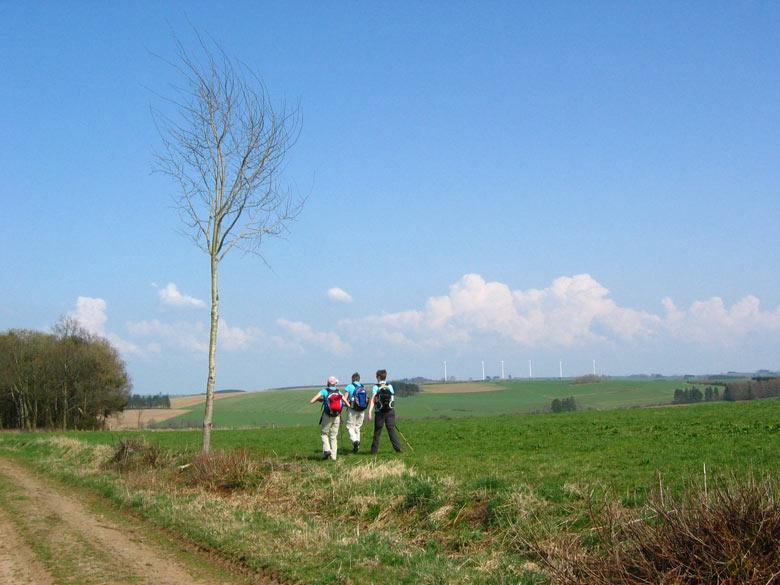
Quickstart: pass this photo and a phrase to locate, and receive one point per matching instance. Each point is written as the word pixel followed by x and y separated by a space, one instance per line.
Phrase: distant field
pixel 291 407
pixel 459 387
pixel 139 417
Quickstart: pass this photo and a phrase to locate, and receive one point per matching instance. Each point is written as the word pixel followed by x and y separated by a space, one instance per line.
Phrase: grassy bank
pixel 457 509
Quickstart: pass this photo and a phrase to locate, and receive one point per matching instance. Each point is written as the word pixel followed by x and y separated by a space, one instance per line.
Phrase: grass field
pixel 455 509
pixel 290 407
pixel 623 449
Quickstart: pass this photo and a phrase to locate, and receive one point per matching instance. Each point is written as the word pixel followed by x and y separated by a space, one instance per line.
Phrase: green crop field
pixel 291 407
pixel 448 511
pixel 624 449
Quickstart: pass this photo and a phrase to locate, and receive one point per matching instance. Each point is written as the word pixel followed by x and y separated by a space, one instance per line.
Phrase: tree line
pixel 67 379
pixel 694 394
pixel 138 401
pixel 754 389
pixel 402 388
pixel 563 404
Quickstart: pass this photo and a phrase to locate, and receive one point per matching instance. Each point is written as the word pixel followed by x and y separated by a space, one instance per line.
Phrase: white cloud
pixel 339 295
pixel 571 311
pixel 236 338
pixel 194 336
pixel 712 322
pixel 90 313
pixel 171 296
pixel 191 336
pixel 304 334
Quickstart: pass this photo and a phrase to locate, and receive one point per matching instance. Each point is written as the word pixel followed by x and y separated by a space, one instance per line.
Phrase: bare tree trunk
pixel 207 417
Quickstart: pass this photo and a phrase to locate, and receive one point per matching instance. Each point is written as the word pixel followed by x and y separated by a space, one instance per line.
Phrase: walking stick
pixel 404 438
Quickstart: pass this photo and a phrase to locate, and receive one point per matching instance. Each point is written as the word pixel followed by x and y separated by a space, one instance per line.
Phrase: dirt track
pixel 49 536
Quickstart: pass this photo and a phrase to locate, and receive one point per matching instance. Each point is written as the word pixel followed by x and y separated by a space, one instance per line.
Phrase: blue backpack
pixel 359 397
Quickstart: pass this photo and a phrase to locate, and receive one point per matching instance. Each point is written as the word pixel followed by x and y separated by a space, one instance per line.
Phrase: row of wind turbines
pixel 530 369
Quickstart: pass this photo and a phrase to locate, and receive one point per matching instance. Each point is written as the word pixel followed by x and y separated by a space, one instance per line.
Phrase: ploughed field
pixel 290 407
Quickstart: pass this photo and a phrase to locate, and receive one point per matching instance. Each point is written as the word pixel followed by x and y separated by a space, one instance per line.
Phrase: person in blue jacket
pixel 358 401
pixel 383 403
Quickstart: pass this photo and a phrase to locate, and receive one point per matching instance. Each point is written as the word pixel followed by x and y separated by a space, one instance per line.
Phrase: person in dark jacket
pixel 383 405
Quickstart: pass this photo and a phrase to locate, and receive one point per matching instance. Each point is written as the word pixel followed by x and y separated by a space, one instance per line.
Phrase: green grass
pixel 425 523
pixel 620 448
pixel 291 407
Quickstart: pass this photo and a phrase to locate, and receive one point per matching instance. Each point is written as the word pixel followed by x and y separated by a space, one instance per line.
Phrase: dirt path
pixel 48 536
pixel 18 563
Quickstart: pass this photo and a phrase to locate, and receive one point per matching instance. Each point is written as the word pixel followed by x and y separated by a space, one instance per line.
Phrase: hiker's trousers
pixel 355 420
pixel 385 419
pixel 329 433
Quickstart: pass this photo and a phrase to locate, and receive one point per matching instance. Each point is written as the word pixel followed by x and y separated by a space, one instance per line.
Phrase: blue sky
pixel 486 181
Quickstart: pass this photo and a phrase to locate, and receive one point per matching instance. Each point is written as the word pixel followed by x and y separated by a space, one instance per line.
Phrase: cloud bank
pixel 571 311
pixel 195 336
pixel 305 334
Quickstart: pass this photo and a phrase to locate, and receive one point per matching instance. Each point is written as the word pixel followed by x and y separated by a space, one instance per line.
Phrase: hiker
pixel 382 402
pixel 357 399
pixel 332 405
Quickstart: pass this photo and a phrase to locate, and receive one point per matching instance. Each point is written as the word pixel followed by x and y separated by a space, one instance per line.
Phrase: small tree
pixel 224 145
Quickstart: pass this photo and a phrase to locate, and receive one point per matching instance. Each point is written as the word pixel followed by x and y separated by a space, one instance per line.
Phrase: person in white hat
pixel 332 405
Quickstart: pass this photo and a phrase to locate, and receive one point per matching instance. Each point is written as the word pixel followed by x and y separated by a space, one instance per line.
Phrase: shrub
pixel 137 454
pixel 223 471
pixel 405 388
pixel 730 537
pixel 563 404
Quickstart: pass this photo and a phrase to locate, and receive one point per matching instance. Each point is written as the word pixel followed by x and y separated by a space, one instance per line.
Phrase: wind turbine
pixel 502 369
pixel 445 371
pixel 483 370
pixel 530 371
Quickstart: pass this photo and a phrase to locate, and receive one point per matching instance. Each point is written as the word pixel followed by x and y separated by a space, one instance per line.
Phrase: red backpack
pixel 333 403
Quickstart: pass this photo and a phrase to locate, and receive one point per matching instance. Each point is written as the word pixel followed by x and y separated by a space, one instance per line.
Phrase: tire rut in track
pixel 85 547
pixel 18 563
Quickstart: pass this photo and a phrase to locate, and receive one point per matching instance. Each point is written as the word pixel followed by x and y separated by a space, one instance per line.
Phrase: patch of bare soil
pixel 461 388
pixel 186 401
pixel 140 417
pixel 86 547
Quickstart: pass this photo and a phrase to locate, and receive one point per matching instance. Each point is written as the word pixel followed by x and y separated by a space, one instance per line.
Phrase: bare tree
pixel 224 144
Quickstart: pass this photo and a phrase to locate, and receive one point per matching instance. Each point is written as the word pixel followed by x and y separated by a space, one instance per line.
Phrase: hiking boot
pixel 355 446
pixel 326 454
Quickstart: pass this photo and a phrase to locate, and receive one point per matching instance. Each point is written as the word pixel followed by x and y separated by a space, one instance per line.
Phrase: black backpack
pixel 384 398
